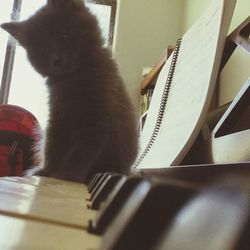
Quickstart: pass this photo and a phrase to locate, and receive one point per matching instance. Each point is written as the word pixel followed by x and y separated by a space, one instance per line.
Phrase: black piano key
pixel 105 189
pixel 213 220
pixel 93 181
pixel 114 204
pixel 98 184
pixel 144 216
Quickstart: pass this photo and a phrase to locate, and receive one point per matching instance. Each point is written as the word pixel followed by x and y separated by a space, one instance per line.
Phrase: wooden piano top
pixel 44 213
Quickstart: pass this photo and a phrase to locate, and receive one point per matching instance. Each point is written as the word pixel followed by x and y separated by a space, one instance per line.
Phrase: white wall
pixel 144 29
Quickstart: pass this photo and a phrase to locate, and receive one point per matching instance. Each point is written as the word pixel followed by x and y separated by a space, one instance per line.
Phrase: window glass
pixel 27 88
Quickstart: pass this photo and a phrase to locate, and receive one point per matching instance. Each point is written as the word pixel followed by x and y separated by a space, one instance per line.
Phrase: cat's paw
pixel 42 172
pixel 32 171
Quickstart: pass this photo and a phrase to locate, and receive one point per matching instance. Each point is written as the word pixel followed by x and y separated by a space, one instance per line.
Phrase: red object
pixel 17 136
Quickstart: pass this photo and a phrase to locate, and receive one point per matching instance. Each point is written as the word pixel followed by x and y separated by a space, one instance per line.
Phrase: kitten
pixel 92 126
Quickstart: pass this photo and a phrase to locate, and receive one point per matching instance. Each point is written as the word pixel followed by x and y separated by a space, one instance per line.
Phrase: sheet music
pixel 191 90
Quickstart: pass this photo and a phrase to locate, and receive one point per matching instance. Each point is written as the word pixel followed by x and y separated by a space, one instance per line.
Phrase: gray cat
pixel 92 126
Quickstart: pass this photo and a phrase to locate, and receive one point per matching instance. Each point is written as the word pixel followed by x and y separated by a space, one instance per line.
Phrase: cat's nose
pixel 57 61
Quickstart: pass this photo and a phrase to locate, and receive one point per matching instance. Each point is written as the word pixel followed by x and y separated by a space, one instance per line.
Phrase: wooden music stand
pixel 150 78
pixel 199 164
pixel 226 142
pixel 239 37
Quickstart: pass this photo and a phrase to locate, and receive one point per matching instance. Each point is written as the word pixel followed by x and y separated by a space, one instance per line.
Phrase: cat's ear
pixel 77 4
pixel 16 29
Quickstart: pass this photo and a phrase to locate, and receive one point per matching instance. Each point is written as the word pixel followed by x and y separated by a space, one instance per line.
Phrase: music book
pixel 184 90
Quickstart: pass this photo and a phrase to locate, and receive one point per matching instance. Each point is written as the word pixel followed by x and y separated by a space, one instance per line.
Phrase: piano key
pixel 46 199
pixel 113 182
pixel 214 219
pixel 93 181
pixel 144 216
pixel 113 205
pixel 23 234
pixel 102 180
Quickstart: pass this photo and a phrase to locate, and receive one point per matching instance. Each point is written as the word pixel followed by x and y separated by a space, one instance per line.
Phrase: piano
pixel 201 207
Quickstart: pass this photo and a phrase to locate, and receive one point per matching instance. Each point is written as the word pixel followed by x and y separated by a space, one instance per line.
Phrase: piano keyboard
pixel 117 212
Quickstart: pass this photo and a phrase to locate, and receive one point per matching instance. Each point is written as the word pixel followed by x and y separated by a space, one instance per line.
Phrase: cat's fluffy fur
pixel 92 126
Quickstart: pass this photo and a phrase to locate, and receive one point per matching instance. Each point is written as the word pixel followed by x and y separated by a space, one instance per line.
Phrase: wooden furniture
pixel 228 139
pixel 239 37
pixel 149 80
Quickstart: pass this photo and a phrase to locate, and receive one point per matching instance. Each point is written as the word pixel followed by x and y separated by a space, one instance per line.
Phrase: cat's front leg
pixel 81 157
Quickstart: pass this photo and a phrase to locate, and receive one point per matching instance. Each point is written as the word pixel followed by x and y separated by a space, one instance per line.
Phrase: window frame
pixel 9 57
pixel 113 5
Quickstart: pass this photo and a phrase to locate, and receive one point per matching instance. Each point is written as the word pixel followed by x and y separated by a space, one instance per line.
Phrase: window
pixel 105 10
pixel 27 89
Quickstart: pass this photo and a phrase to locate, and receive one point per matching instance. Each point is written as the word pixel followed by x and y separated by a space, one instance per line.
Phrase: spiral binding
pixel 163 103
